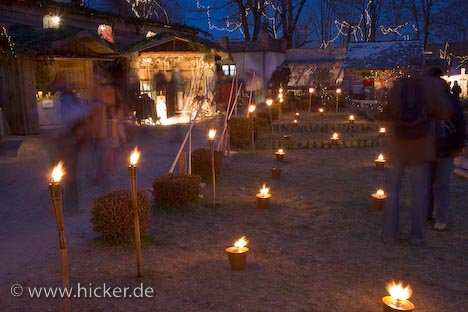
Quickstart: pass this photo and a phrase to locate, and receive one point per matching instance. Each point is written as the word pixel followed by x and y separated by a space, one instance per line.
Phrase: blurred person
pixel 103 105
pixel 450 139
pixel 413 105
pixel 70 137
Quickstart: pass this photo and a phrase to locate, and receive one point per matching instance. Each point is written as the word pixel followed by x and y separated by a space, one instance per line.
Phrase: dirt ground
pixel 317 248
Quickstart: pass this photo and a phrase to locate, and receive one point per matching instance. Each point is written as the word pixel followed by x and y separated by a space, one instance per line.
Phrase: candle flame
pixel 241 242
pixel 381 157
pixel 264 190
pixel 382 130
pixel 269 102
pixel 211 134
pixel 398 292
pixel 134 156
pixel 335 136
pixel 295 121
pixel 380 192
pixel 57 172
pixel 280 151
pixel 351 117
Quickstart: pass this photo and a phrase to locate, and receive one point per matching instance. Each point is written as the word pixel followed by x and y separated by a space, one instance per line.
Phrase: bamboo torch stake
pixel 211 137
pixel 56 204
pixel 132 174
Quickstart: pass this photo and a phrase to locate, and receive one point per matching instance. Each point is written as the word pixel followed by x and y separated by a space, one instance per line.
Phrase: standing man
pixel 414 103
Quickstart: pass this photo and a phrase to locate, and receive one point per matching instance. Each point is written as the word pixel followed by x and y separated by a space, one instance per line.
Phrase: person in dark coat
pixel 450 139
pixel 456 90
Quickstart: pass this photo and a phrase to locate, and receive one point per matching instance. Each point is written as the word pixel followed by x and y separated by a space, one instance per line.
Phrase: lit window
pixel 51 21
pixel 229 70
pixel 105 32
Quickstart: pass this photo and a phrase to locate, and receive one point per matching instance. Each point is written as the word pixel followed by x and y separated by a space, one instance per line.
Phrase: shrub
pixel 240 132
pixel 112 216
pixel 173 190
pixel 201 163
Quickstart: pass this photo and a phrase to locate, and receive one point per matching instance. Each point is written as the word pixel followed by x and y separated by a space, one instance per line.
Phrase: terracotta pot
pixel 275 173
pixel 279 157
pixel 237 258
pixel 379 165
pixel 389 306
pixel 263 202
pixel 378 201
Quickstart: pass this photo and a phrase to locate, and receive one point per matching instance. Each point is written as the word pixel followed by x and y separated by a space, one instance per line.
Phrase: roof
pixel 384 55
pixel 56 42
pixel 313 56
pixel 156 42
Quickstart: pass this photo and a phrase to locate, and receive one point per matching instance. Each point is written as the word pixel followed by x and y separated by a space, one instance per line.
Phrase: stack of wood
pixel 461 164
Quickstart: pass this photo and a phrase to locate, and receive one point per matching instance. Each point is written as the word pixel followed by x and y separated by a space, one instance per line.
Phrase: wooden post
pixel 213 173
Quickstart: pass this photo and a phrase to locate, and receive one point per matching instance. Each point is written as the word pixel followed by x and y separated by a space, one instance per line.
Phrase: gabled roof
pixel 57 42
pixel 384 55
pixel 313 56
pixel 162 40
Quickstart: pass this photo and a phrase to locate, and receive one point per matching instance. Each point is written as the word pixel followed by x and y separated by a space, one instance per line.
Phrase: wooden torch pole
pixel 132 174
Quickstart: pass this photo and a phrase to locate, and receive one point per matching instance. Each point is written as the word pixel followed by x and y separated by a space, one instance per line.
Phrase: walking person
pixel 450 139
pixel 413 105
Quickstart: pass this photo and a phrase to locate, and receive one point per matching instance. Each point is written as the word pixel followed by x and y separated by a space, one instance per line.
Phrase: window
pixel 229 70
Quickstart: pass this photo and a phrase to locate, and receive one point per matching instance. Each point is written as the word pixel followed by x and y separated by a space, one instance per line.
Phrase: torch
pixel 211 137
pixel 311 91
pixel 57 209
pixel 269 102
pixel 338 92
pixel 132 174
pixel 251 111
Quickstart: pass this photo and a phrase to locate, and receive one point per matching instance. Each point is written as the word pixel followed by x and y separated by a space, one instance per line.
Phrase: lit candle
pixel 378 198
pixel 263 197
pixel 398 299
pixel 380 162
pixel 280 154
pixel 237 254
pixel 351 118
pixel 334 139
pixel 132 174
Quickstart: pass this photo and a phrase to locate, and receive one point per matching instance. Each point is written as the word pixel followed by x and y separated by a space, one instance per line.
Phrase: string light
pixel 147 8
pixel 5 39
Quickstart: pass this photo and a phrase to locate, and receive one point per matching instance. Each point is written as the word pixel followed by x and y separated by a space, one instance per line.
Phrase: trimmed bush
pixel 175 190
pixel 201 163
pixel 112 216
pixel 240 132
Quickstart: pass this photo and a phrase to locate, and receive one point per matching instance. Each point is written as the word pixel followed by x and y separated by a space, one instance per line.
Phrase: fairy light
pixel 145 8
pixel 5 37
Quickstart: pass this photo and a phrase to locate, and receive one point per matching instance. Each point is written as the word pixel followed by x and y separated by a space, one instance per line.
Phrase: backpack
pixel 412 121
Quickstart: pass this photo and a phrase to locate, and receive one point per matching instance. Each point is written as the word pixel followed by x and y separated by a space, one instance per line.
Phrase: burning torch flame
pixel 57 172
pixel 280 96
pixel 269 102
pixel 320 110
pixel 382 130
pixel 280 90
pixel 351 117
pixel 281 100
pixel 280 151
pixel 295 121
pixel 397 292
pixel 264 190
pixel 134 157
pixel 311 90
pixel 251 108
pixel 241 242
pixel 380 193
pixel 335 136
pixel 381 157
pixel 211 134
